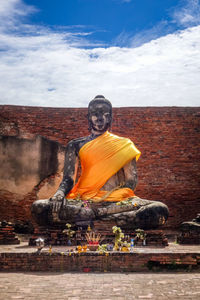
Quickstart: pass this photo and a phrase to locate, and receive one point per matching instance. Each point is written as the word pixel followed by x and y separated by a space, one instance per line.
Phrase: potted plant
pixel 69 233
pixel 141 236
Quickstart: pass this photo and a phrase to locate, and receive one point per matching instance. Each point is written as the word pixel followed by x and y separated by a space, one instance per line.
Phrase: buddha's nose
pixel 100 118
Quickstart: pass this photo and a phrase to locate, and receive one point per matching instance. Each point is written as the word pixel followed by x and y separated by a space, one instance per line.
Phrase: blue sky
pixel 107 20
pixel 135 52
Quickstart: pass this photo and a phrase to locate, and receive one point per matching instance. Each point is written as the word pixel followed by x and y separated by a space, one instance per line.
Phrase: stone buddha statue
pixel 105 188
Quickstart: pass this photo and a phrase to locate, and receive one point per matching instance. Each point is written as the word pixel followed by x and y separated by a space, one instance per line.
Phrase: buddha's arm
pixel 70 172
pixel 130 173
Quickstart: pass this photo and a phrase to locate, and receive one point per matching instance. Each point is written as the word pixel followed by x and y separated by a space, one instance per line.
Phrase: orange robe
pixel 100 159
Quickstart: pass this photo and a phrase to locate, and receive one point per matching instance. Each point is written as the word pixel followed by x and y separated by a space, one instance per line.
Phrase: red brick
pixel 168 137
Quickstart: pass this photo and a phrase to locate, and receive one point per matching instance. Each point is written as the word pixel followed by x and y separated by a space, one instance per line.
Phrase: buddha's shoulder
pixel 77 142
pixel 117 137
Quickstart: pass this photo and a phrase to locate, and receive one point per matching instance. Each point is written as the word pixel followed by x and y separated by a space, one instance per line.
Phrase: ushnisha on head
pixel 99 115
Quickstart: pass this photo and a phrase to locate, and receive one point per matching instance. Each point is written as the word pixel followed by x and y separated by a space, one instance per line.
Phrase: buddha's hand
pixel 57 200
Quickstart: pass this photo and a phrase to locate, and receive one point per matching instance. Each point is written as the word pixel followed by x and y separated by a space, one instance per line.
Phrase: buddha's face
pixel 99 117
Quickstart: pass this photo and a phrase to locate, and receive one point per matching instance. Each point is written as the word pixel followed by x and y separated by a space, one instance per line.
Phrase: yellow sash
pixel 100 159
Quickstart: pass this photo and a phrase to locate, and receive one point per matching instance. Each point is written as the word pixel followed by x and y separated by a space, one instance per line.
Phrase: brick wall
pixel 168 137
pixel 94 262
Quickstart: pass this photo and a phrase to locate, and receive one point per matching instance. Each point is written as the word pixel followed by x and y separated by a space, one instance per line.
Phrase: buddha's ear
pixel 111 119
pixel 89 123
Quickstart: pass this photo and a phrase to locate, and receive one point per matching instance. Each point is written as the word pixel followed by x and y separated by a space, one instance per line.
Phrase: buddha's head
pixel 99 115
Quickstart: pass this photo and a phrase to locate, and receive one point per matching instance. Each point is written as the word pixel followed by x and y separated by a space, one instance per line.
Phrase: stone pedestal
pixel 51 236
pixel 7 234
pixel 105 229
pixel 55 236
pixel 156 238
pixel 190 232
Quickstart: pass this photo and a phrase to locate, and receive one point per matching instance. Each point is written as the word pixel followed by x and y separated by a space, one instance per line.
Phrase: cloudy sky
pixel 62 53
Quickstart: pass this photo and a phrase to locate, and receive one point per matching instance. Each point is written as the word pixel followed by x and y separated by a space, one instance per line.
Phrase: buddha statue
pixel 105 188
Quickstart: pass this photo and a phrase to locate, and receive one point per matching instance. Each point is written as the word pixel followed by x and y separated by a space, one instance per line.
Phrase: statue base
pixel 7 234
pixel 51 236
pixel 55 237
pixel 190 232
pixel 156 238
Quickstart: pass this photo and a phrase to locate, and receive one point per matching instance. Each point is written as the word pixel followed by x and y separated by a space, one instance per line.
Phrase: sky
pixel 62 53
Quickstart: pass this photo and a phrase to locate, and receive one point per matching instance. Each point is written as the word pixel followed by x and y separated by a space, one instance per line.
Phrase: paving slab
pixel 54 286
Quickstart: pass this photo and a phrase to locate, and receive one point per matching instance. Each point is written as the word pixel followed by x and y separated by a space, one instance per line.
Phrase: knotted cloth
pixel 100 159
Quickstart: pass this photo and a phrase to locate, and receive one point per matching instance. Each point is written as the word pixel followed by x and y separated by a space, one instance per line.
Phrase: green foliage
pixel 102 248
pixel 140 234
pixel 118 236
pixel 68 231
pixel 125 202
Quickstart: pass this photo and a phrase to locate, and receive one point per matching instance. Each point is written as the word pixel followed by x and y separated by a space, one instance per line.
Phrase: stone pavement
pixel 115 286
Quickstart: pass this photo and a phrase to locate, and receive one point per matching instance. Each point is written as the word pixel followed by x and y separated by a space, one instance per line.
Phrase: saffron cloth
pixel 100 159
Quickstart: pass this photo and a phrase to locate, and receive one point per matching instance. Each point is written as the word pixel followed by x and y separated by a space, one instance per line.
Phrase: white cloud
pixel 188 14
pixel 12 11
pixel 127 39
pixel 49 68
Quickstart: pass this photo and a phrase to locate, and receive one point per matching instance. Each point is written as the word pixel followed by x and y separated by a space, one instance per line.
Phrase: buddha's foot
pixel 106 209
pixel 148 216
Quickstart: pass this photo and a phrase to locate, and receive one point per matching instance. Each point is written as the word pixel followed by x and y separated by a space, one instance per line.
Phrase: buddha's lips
pixel 99 126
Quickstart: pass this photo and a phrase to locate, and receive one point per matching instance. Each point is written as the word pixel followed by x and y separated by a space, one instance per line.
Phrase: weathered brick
pixel 168 137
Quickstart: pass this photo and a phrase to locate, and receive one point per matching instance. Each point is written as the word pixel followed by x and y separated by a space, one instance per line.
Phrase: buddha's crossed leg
pixel 134 213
